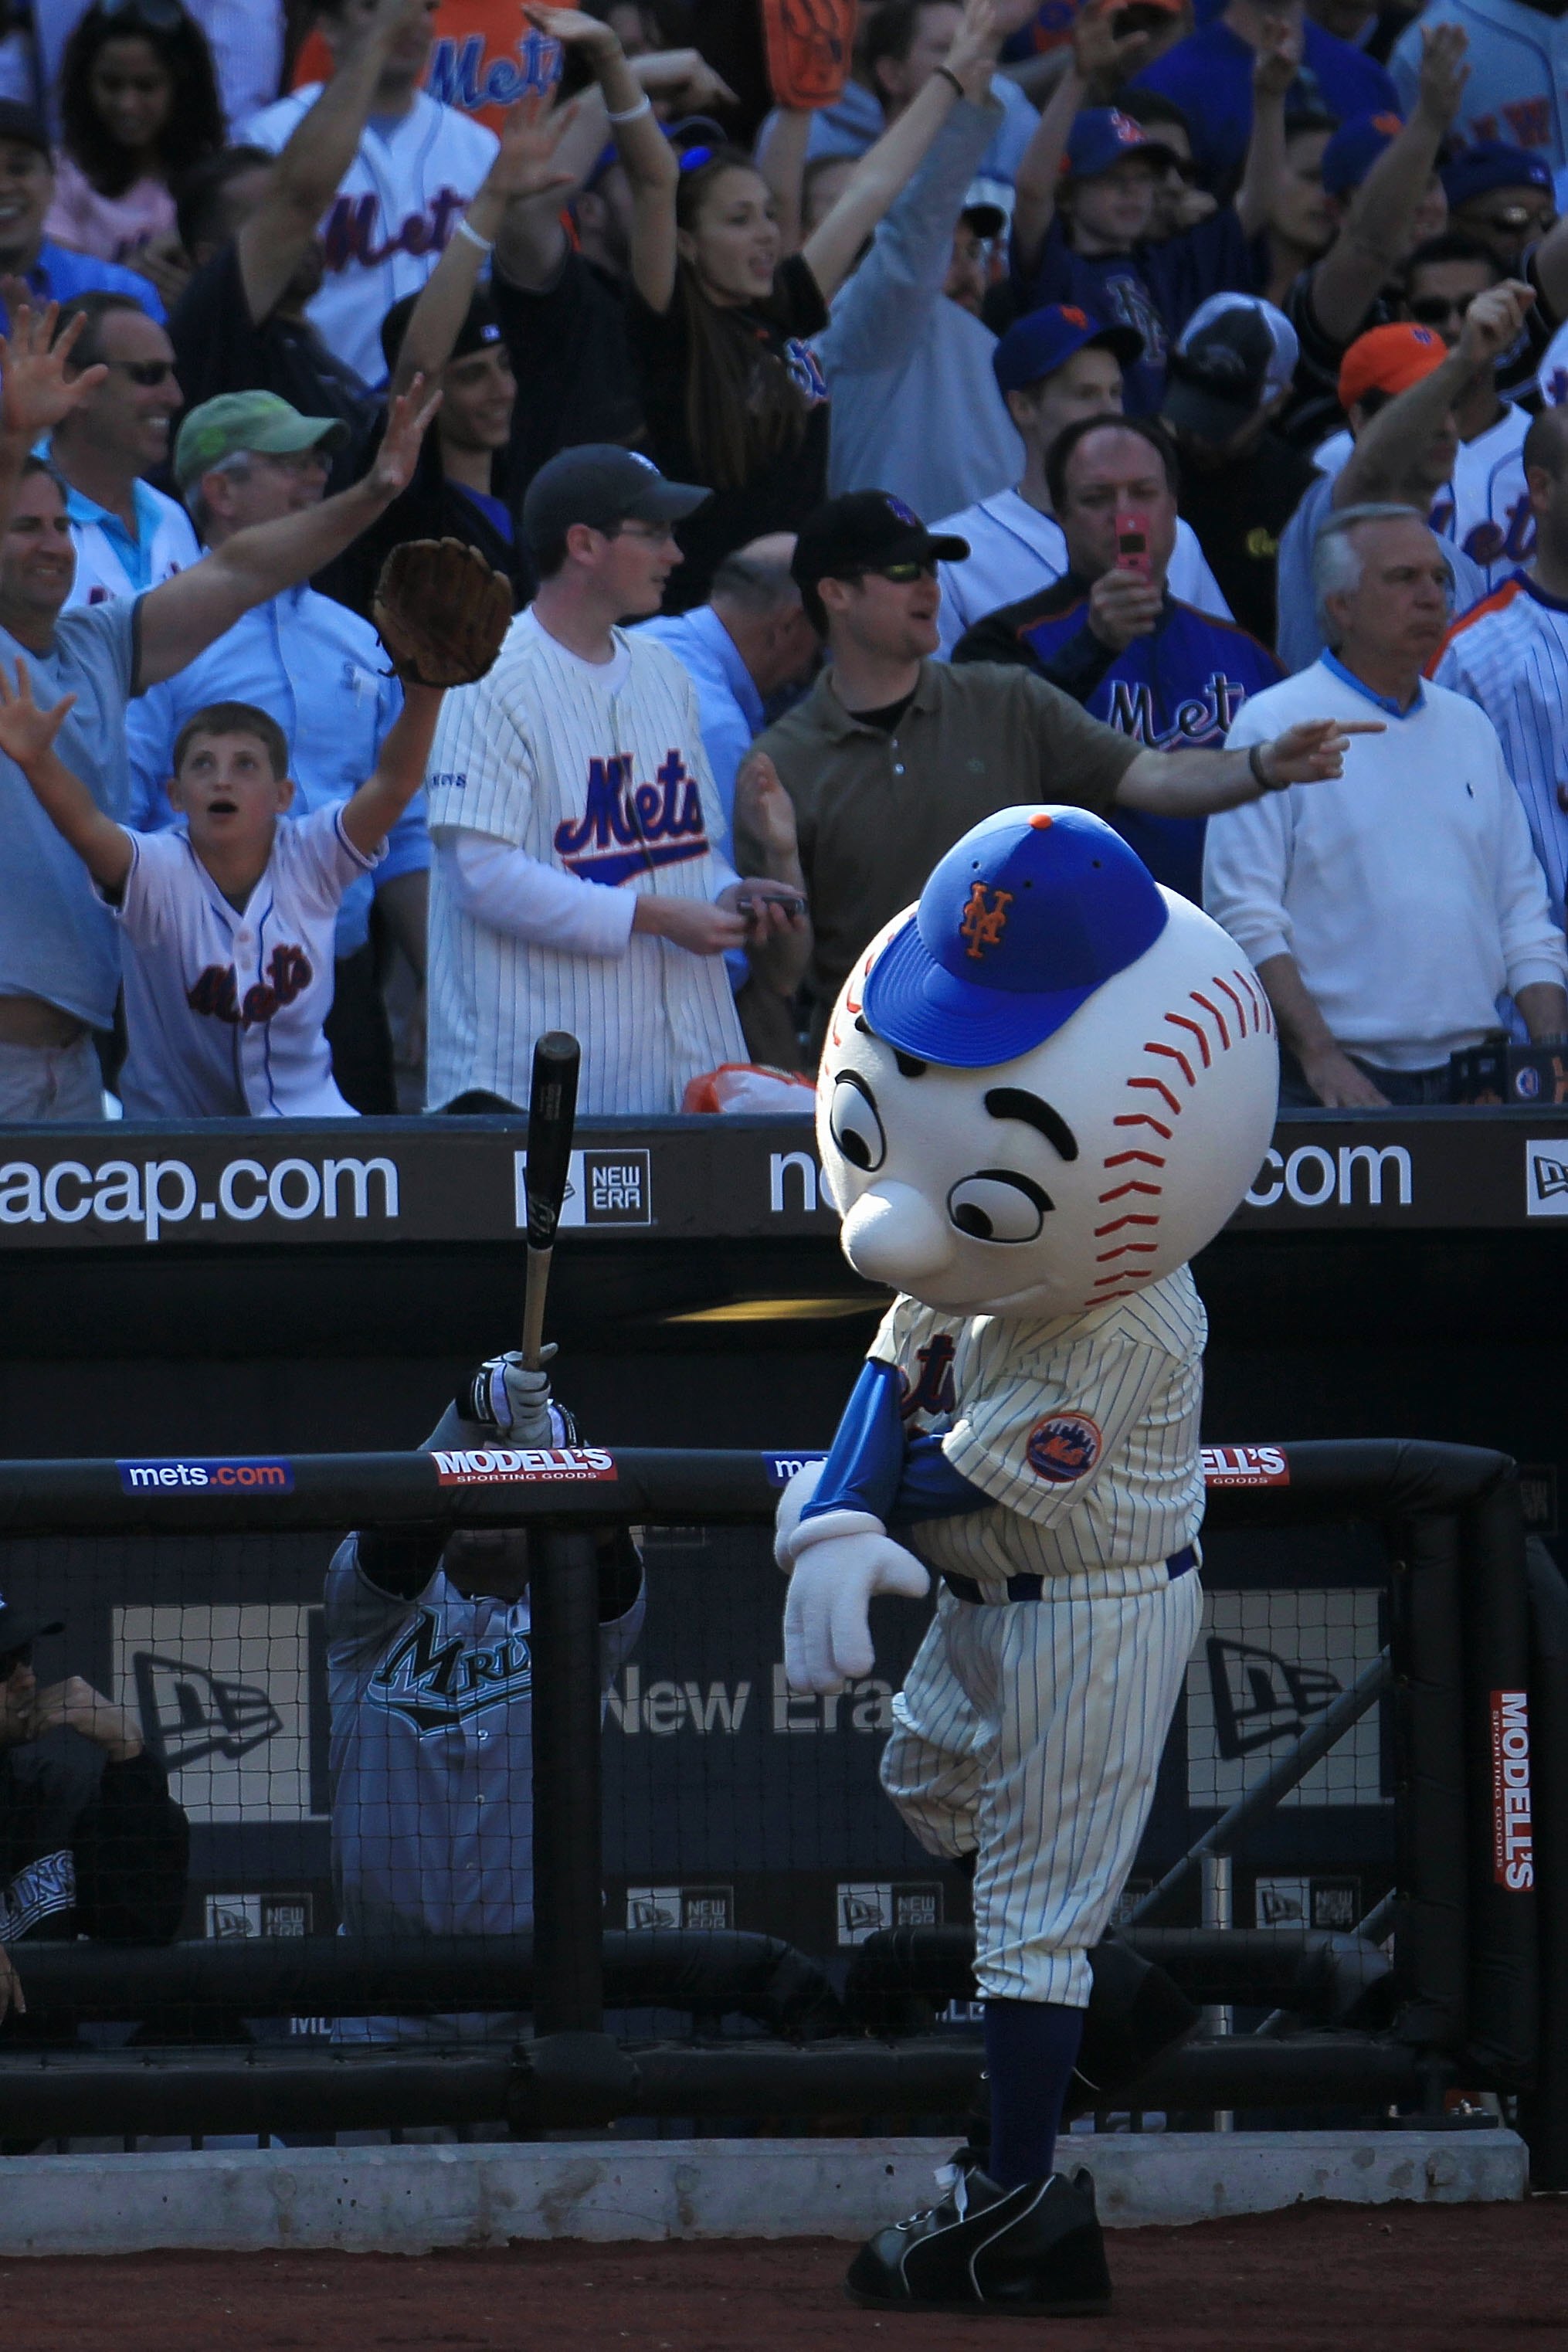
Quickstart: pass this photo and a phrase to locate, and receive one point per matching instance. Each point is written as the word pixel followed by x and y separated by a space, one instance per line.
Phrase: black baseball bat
pixel 551 1115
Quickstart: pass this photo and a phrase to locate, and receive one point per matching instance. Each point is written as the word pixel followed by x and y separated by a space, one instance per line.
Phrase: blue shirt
pixel 1154 288
pixel 134 551
pixel 58 275
pixel 1172 691
pixel 57 939
pixel 1209 75
pixel 728 701
pixel 318 669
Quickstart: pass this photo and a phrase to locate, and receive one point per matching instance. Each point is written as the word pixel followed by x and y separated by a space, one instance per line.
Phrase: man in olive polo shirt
pixel 893 756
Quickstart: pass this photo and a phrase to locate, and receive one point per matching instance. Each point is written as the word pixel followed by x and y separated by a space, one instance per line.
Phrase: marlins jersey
pixel 1083 1431
pixel 393 216
pixel 1510 655
pixel 223 1008
pixel 431 1757
pixel 597 774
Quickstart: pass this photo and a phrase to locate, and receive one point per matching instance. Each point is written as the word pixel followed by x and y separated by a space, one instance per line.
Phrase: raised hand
pixel 976 46
pixel 1278 58
pixel 1444 72
pixel 1313 750
pixel 1104 58
pixel 683 80
pixel 525 162
pixel 1493 321
pixel 26 732
pixel 35 391
pixel 399 452
pixel 575 29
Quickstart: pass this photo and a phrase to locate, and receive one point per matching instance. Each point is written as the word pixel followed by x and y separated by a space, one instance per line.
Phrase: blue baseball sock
pixel 1030 2047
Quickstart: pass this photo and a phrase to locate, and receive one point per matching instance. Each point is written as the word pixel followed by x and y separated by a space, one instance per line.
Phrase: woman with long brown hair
pixel 720 313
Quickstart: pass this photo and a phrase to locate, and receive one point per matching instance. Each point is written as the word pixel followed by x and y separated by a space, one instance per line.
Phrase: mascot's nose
pixel 894 1234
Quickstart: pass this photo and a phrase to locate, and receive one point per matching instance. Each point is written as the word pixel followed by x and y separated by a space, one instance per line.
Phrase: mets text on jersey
pixel 516 1465
pixel 628 827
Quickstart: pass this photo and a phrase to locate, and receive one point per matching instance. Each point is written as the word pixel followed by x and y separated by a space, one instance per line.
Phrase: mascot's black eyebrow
pixel 908 1066
pixel 1016 1102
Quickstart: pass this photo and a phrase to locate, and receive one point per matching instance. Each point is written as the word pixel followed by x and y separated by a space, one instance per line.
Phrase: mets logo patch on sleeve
pixel 1064 1446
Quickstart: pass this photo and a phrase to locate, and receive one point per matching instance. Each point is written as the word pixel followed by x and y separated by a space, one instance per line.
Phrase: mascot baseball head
pixel 1049 1084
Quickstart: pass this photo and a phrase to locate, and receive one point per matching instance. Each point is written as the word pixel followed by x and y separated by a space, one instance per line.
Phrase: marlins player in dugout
pixel 1043 1088
pixel 577 883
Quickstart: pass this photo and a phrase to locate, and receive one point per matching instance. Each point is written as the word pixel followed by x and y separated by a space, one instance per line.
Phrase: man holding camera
pixel 1110 635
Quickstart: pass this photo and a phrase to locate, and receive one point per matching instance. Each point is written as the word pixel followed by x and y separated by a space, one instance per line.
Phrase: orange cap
pixel 1389 358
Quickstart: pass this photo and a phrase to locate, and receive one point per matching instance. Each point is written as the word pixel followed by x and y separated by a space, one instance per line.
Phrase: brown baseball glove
pixel 441 612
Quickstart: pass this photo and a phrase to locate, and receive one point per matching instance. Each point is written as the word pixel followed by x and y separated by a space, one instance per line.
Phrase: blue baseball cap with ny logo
pixel 1025 917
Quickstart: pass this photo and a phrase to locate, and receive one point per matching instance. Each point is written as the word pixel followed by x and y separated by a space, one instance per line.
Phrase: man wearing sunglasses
pixel 892 756
pixel 128 536
pixel 91 1843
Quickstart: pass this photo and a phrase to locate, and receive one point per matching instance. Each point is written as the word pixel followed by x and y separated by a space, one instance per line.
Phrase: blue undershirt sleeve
pixel 872 1467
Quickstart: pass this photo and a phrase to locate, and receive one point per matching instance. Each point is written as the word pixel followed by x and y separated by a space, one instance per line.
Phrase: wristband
pixel 945 73
pixel 1265 784
pixel 473 237
pixel 644 105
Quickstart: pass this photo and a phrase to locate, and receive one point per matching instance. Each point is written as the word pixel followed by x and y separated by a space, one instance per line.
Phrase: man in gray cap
pixel 244 459
pixel 577 884
pixel 91 1843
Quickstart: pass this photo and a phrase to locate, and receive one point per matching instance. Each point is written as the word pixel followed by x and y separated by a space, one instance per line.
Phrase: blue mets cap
pixel 1102 136
pixel 1025 917
pixel 1493 163
pixel 1355 148
pixel 1044 340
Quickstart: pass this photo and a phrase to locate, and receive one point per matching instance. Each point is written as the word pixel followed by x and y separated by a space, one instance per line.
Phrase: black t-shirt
pixel 887 717
pixel 431 508
pixel 219 347
pixel 573 369
pixel 782 493
pixel 1238 511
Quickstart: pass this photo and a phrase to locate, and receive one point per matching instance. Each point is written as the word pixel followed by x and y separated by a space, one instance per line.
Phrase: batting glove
pixel 839 1562
pixel 503 1395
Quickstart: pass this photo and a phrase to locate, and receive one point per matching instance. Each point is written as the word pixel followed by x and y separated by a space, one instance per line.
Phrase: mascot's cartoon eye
pixel 854 1125
pixel 996 1206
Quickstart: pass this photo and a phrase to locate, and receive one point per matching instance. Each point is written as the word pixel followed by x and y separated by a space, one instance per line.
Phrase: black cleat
pixel 1035 2250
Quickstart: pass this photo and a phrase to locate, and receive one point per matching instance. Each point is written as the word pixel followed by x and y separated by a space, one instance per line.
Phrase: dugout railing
pixel 1470 1992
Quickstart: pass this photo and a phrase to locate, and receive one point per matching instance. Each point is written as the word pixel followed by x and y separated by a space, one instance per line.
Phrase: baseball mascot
pixel 1044 1089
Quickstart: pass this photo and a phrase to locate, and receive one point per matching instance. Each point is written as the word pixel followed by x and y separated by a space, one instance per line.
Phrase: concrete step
pixel 409 2200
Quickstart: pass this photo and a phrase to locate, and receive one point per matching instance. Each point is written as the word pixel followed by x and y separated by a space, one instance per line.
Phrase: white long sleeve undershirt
pixel 503 887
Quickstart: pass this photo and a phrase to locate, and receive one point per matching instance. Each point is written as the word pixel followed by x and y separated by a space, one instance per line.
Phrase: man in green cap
pixel 244 459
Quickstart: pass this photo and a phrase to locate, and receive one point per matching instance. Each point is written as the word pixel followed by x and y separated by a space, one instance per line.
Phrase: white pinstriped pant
pixel 1032 1730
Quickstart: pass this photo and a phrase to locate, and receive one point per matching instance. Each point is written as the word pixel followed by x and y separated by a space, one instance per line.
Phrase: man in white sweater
pixel 1388 909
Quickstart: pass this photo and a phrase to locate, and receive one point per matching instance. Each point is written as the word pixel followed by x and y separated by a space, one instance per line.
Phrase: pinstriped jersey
pixel 604 778
pixel 1082 1429
pixel 1510 653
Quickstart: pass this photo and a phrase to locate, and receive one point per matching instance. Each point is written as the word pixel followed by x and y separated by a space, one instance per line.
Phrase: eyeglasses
pixel 22 1656
pixel 1514 217
pixel 1436 309
pixel 145 372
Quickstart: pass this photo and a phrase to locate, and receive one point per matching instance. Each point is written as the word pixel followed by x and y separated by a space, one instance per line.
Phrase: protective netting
pixel 340 1756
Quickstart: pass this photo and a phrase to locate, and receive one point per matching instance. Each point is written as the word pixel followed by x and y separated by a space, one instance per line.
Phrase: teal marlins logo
pixel 440 1689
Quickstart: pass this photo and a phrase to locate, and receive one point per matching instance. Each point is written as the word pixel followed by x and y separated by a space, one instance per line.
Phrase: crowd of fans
pixel 882 414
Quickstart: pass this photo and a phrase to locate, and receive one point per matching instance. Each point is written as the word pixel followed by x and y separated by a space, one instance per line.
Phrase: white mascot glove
pixel 836 1564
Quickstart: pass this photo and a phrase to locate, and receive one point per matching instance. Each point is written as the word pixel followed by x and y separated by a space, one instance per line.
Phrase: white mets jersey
pixel 1485 510
pixel 1083 1430
pixel 393 215
pixel 1510 653
pixel 598 774
pixel 223 1008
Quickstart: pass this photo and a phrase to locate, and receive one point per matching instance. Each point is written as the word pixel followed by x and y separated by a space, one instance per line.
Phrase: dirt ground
pixel 1320 2278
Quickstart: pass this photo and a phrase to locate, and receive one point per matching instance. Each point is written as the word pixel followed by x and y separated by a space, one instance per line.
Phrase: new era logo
pixel 1546 1177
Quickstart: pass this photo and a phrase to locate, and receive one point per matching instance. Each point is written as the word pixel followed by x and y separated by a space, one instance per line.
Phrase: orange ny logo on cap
pixel 984 918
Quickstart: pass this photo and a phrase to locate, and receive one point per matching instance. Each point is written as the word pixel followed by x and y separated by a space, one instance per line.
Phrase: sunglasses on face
pixel 901 575
pixel 145 372
pixel 1515 217
pixel 22 1656
pixel 1436 309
